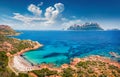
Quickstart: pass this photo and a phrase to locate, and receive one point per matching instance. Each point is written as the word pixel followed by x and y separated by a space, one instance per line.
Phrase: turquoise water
pixel 61 46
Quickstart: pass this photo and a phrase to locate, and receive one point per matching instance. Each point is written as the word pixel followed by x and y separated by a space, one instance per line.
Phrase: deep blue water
pixel 60 46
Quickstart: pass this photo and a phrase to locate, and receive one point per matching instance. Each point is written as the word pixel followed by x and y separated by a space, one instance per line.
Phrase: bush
pixel 44 72
pixel 68 72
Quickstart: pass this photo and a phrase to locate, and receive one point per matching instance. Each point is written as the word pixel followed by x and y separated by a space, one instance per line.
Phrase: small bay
pixel 60 47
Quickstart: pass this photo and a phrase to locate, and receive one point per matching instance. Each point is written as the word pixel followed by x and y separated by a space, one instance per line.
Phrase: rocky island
pixel 12 64
pixel 85 27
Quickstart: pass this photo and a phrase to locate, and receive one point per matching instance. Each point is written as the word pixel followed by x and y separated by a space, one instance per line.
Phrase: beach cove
pixel 23 64
pixel 69 44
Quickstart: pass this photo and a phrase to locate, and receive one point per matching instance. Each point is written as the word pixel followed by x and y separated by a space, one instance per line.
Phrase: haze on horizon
pixel 59 14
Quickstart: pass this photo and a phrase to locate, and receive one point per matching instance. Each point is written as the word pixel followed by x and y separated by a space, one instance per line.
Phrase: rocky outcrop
pixel 7 30
pixel 86 26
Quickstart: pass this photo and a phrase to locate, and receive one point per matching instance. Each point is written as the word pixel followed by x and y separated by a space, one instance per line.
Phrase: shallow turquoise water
pixel 60 46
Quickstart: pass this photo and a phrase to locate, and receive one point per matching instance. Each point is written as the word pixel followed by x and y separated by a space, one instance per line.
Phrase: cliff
pixel 86 26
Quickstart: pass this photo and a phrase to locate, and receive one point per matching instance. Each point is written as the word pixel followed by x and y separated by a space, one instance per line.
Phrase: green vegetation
pixel 68 72
pixel 3 62
pixel 14 45
pixel 45 72
pixel 4 70
pixel 6 30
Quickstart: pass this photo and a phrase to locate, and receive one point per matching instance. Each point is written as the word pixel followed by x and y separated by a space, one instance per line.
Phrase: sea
pixel 61 47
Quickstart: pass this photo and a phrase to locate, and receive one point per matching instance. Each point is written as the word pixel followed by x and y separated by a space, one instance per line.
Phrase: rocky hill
pixel 9 47
pixel 6 30
pixel 86 26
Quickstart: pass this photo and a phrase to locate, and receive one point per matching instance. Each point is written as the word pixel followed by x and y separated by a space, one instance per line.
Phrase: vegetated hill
pixel 7 30
pixel 86 26
pixel 84 67
pixel 13 46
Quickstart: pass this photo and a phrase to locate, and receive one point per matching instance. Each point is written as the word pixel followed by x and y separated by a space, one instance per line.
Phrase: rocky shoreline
pixel 38 45
pixel 74 62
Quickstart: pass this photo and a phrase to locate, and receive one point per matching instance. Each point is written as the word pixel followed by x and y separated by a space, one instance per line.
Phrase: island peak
pixel 85 27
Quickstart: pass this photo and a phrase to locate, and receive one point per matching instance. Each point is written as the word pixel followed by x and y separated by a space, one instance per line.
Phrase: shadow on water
pixel 54 54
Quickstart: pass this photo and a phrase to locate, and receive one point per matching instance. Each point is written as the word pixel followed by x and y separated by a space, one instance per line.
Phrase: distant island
pixel 85 27
pixel 115 29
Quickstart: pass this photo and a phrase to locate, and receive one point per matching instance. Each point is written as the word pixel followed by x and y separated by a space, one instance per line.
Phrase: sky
pixel 58 14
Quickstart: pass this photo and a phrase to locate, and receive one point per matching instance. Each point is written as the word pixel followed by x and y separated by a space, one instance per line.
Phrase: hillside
pixel 11 46
pixel 93 66
pixel 7 30
pixel 86 26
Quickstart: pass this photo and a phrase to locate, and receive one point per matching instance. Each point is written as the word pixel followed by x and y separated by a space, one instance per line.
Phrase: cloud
pixel 53 12
pixel 59 7
pixel 50 20
pixel 21 17
pixel 64 19
pixel 74 17
pixel 65 25
pixel 35 9
pixel 50 15
pixel 26 19
pixel 40 4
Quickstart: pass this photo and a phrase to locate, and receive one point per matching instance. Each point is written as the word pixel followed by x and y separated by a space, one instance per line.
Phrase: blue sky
pixel 58 14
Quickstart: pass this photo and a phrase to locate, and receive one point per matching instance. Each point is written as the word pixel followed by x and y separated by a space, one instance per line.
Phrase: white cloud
pixel 52 12
pixel 48 12
pixel 50 15
pixel 35 9
pixel 59 7
pixel 74 17
pixel 21 17
pixel 65 25
pixel 64 19
pixel 40 4
pixel 26 19
pixel 50 20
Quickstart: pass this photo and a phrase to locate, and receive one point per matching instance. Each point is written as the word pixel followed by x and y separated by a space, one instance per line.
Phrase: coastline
pixel 72 64
pixel 28 49
pixel 23 62
pixel 96 58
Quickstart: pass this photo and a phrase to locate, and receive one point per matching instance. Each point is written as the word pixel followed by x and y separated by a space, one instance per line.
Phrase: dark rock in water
pixel 44 62
pixel 71 50
pixel 22 55
pixel 42 48
pixel 55 46
pixel 76 54
pixel 118 60
pixel 54 55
